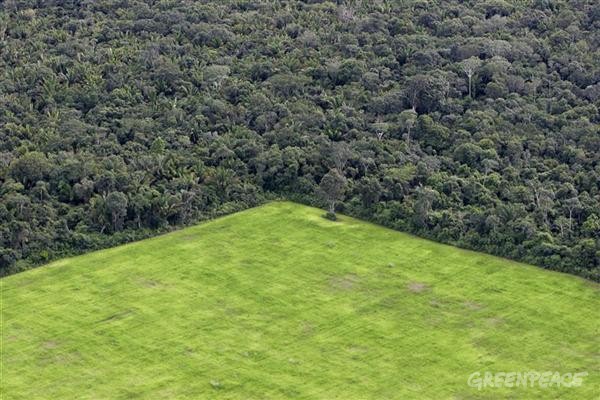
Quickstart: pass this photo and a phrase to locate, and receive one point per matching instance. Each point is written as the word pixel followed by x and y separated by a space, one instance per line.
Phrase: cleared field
pixel 277 302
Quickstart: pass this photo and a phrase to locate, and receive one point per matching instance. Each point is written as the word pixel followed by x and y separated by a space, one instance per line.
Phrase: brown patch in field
pixel 149 283
pixel 436 303
pixel 471 305
pixel 357 350
pixel 417 287
pixel 189 237
pixel 50 344
pixel 494 321
pixel 61 358
pixel 65 358
pixel 307 328
pixel 345 282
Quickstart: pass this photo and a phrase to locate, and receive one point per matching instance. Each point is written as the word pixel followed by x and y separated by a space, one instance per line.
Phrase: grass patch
pixel 277 302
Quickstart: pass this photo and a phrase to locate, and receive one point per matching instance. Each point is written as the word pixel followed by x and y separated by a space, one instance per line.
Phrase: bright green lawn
pixel 277 302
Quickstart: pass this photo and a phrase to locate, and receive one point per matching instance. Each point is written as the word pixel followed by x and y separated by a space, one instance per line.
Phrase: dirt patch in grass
pixel 149 283
pixel 307 328
pixel 494 321
pixel 60 359
pixel 417 287
pixel 436 303
pixel 50 344
pixel 190 237
pixel 345 282
pixel 357 351
pixel 472 305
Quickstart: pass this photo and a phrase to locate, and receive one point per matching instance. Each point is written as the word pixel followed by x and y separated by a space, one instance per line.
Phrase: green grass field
pixel 277 302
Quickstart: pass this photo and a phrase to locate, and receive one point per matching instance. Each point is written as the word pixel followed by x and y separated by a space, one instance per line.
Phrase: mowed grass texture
pixel 277 302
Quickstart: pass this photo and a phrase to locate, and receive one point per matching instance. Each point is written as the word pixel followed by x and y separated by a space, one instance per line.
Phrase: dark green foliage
pixel 332 188
pixel 330 216
pixel 472 123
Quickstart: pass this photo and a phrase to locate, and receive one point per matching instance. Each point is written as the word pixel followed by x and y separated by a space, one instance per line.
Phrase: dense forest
pixel 473 123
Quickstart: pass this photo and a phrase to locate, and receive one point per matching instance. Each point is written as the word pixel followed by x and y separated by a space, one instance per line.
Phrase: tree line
pixel 471 123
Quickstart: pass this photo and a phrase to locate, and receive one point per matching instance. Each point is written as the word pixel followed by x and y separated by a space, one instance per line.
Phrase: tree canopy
pixel 471 123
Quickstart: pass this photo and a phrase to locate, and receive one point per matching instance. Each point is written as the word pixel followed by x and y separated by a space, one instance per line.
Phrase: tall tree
pixel 470 67
pixel 332 188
